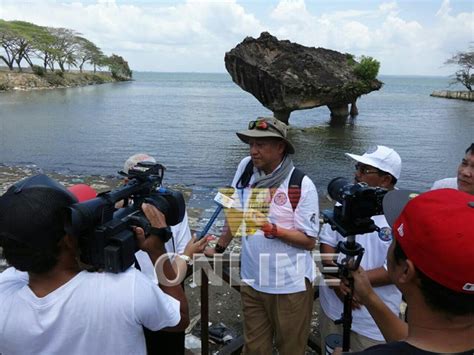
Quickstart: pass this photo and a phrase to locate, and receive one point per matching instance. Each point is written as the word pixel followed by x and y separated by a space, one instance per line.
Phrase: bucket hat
pixel 266 127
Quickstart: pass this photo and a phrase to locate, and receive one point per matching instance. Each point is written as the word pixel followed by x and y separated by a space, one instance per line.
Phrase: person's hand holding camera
pixel 152 245
pixel 342 290
pixel 363 290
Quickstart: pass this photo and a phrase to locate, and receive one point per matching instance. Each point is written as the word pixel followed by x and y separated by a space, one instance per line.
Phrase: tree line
pixel 24 42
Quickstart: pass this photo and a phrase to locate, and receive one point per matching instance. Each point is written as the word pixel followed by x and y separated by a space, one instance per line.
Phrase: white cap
pixel 382 158
pixel 135 159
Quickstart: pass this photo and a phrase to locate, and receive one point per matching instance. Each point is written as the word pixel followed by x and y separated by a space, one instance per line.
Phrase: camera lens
pixel 335 188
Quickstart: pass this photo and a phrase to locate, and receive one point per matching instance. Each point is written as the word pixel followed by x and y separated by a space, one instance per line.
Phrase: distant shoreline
pixel 26 80
pixel 457 95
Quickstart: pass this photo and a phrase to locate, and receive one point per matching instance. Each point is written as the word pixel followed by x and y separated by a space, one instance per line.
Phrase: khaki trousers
pixel 358 342
pixel 285 317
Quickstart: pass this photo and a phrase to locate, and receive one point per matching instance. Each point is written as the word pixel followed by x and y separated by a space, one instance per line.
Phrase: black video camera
pixel 105 234
pixel 357 204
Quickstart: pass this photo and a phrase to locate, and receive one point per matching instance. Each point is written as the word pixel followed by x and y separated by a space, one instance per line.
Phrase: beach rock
pixel 286 76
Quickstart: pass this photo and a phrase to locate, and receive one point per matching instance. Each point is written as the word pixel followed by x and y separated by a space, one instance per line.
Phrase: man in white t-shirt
pixel 465 179
pixel 181 231
pixel 50 306
pixel 379 167
pixel 278 233
pixel 164 342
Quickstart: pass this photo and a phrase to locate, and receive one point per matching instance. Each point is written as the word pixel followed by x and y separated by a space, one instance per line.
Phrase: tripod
pixel 353 253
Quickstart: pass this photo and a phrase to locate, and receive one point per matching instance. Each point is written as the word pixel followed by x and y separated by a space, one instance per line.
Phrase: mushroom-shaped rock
pixel 286 76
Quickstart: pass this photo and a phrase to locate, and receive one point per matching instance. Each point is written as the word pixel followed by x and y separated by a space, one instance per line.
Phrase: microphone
pixel 223 201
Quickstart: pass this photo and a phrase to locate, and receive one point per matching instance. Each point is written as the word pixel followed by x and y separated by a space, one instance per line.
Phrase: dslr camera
pixel 357 204
pixel 105 233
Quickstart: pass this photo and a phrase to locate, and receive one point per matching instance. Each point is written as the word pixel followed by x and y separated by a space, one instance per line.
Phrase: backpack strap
pixel 244 179
pixel 294 187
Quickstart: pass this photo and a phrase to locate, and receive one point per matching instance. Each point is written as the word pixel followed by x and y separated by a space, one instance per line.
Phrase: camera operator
pixel 465 176
pixel 182 245
pixel 377 168
pixel 181 231
pixel 50 306
pixel 430 261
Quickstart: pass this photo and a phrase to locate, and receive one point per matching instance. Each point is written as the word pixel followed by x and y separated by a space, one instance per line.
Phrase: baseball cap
pixel 82 192
pixel 31 211
pixel 133 160
pixel 382 158
pixel 435 230
pixel 266 127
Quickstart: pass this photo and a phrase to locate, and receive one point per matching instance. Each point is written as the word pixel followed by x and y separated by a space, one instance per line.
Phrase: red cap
pixel 83 192
pixel 436 232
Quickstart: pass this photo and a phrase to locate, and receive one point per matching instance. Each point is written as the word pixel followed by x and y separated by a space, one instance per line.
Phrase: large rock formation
pixel 286 76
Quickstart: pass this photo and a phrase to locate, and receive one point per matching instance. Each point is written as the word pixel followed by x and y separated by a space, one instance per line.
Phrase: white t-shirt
pixel 376 245
pixel 272 265
pixel 448 183
pixel 176 245
pixel 93 313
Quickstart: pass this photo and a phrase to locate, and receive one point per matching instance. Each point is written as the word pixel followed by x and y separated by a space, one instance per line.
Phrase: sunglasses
pixel 263 126
pixel 364 170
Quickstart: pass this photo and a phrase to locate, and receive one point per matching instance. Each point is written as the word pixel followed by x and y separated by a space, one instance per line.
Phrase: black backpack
pixel 294 186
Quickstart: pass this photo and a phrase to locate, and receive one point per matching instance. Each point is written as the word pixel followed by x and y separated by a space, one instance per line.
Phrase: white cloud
pixel 194 35
pixel 389 8
pixel 403 46
pixel 290 10
pixel 189 27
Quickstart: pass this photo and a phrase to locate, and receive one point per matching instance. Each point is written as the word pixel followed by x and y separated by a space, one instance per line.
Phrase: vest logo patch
pixel 385 234
pixel 280 199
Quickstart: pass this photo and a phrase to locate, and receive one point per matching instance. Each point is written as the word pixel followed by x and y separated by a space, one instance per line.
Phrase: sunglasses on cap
pixel 264 125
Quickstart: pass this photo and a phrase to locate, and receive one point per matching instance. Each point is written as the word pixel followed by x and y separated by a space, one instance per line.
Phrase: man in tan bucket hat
pixel 279 229
pixel 267 128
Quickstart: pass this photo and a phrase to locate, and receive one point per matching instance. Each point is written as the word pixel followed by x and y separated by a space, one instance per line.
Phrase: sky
pixel 408 37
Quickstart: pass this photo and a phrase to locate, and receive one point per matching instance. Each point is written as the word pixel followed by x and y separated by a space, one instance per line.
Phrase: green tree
pixel 99 60
pixel 367 68
pixel 119 67
pixel 7 38
pixel 44 48
pixel 87 52
pixel 464 60
pixel 17 38
pixel 64 46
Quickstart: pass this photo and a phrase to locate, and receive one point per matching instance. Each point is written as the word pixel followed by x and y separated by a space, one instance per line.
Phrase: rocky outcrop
pixel 286 76
pixel 459 95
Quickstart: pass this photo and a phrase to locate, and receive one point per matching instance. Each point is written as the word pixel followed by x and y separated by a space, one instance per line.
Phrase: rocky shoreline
pixel 26 80
pixel 458 95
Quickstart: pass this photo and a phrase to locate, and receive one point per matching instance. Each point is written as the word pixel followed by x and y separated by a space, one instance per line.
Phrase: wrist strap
pixel 163 233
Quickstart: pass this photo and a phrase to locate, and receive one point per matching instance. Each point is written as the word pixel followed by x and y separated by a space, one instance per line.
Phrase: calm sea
pixel 188 121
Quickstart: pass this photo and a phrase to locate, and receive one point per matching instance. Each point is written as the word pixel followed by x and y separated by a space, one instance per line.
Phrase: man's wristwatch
pixel 270 230
pixel 186 258
pixel 219 249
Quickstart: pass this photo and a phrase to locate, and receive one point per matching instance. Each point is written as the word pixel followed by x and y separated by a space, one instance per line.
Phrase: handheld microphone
pixel 223 201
